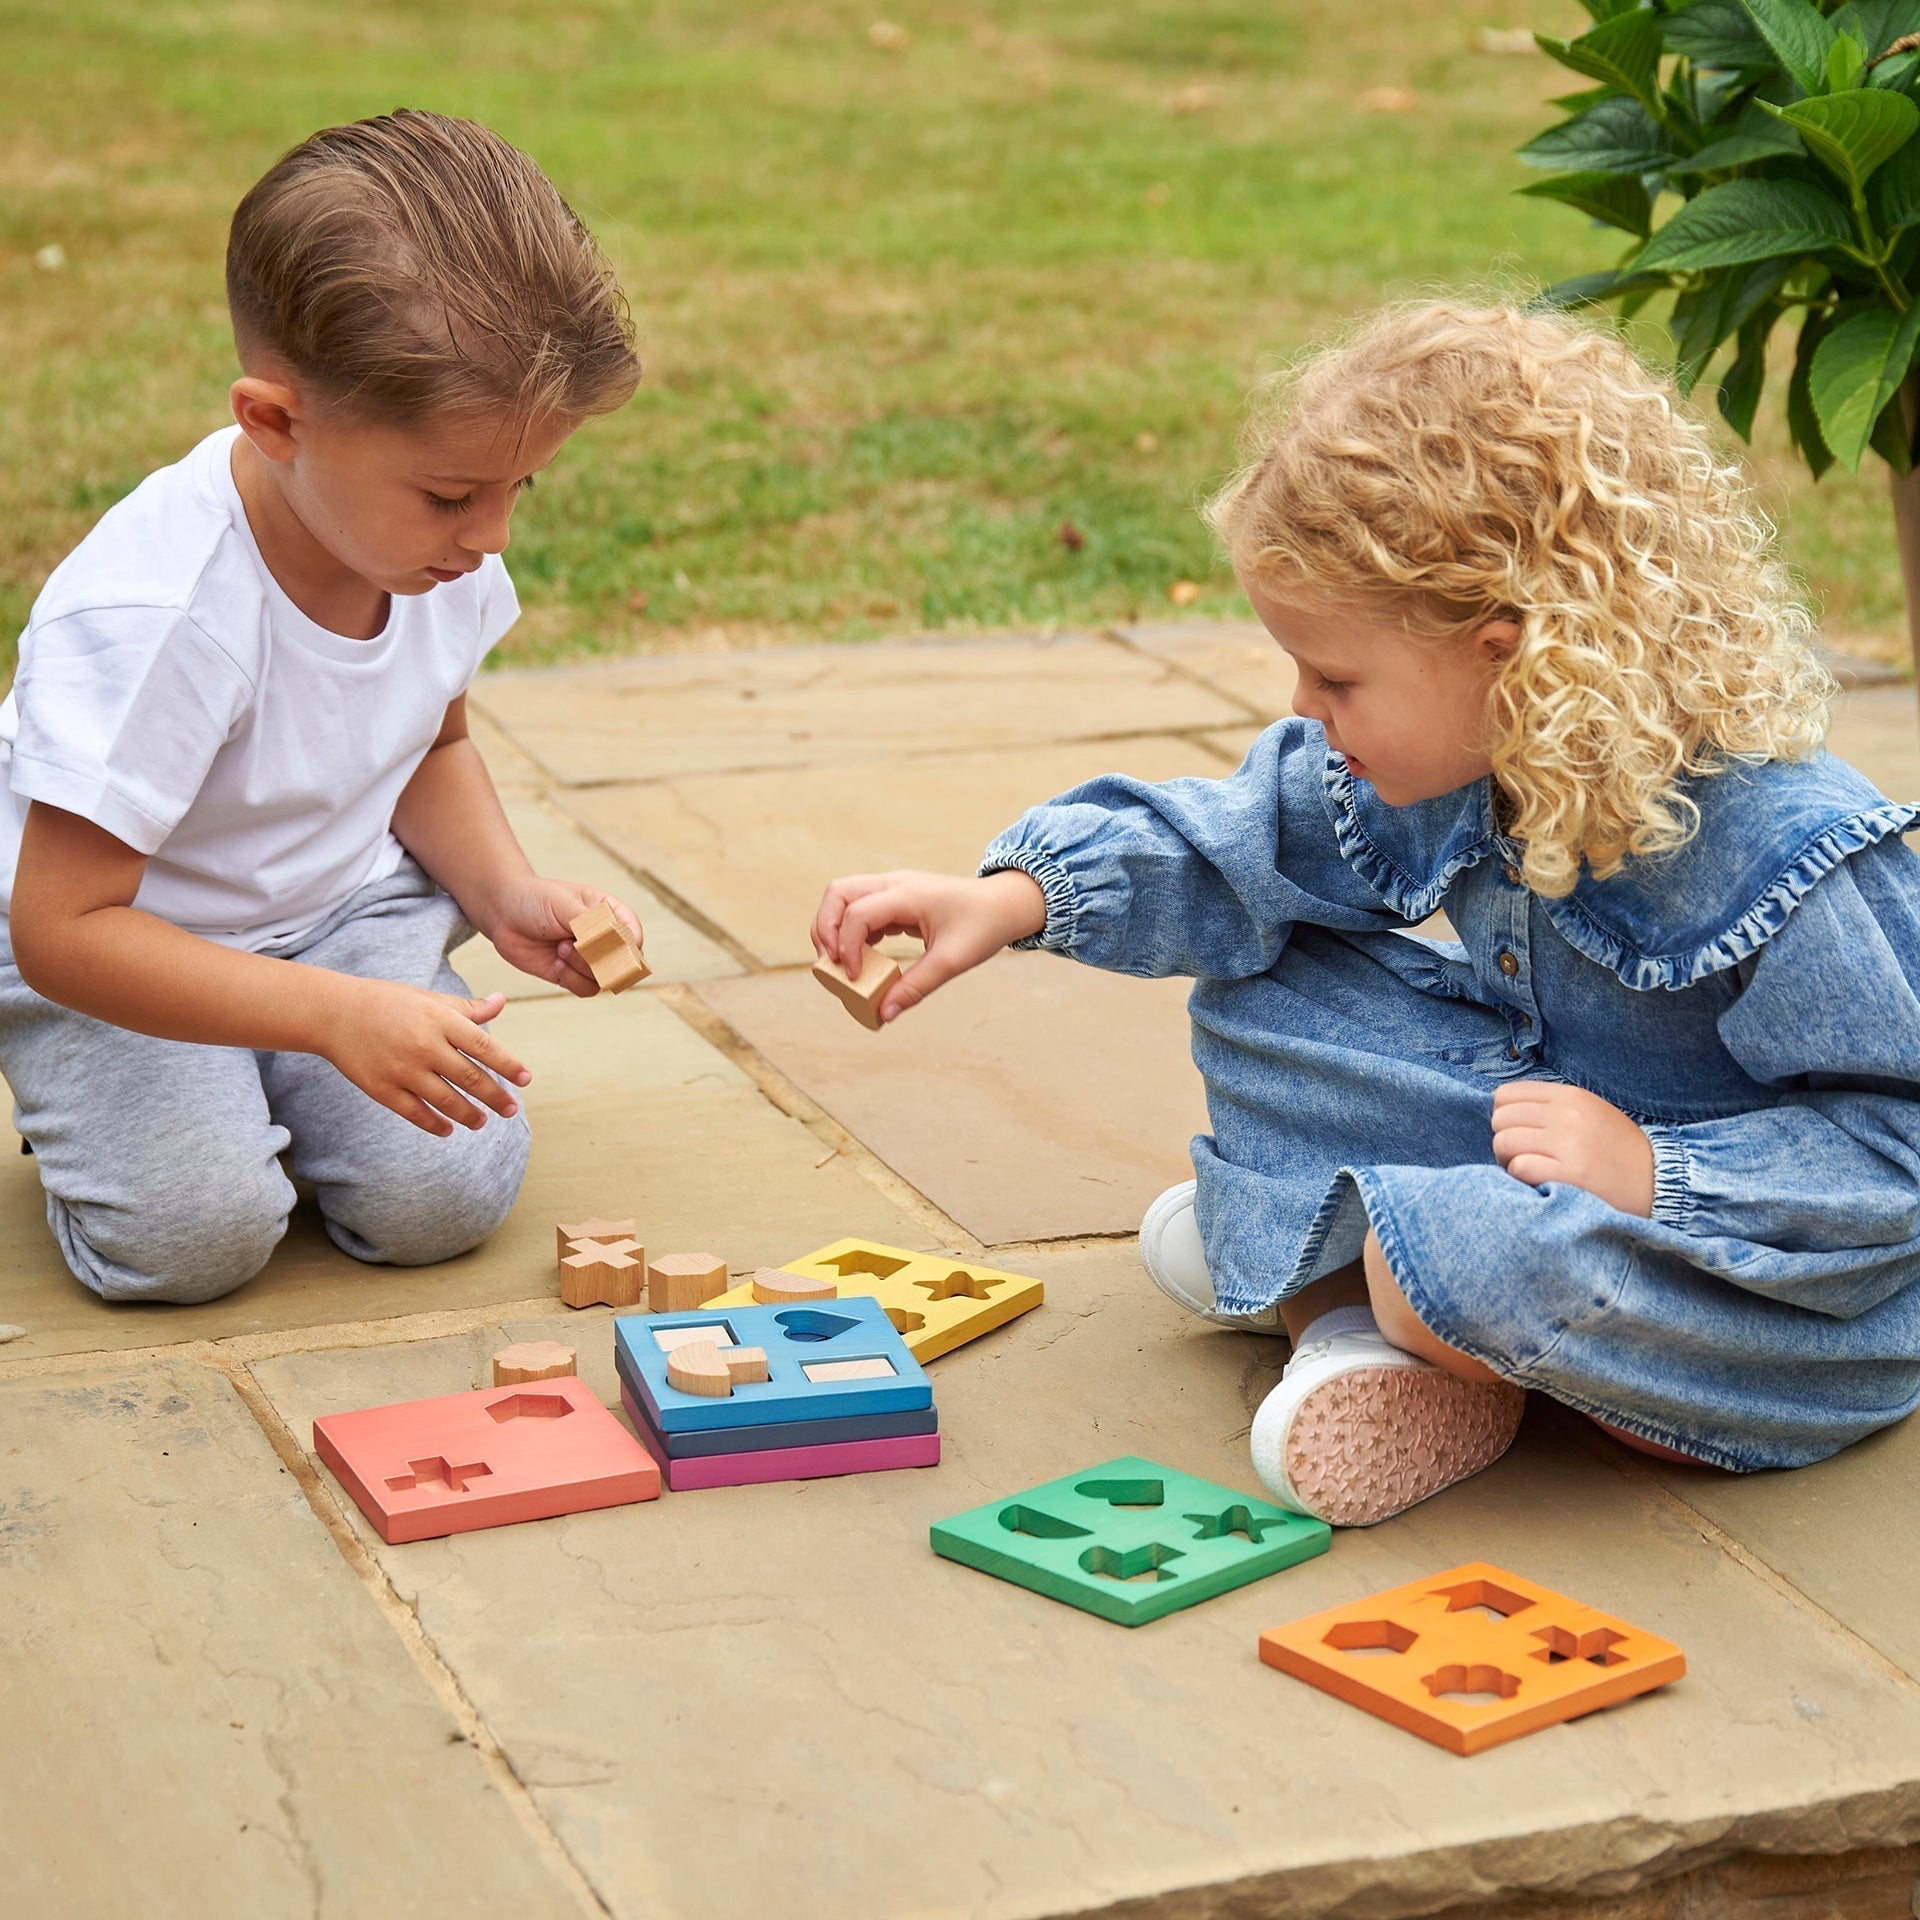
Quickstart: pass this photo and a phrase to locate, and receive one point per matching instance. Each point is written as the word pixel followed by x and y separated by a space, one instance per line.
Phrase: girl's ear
pixel 1497 639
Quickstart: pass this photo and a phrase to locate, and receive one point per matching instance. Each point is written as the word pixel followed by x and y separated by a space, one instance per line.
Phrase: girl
pixel 1646 1136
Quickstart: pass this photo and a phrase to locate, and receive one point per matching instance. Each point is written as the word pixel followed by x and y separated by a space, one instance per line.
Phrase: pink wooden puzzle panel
pixel 422 1468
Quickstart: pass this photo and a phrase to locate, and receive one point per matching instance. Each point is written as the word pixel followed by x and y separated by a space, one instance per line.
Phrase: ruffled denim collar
pixel 1768 833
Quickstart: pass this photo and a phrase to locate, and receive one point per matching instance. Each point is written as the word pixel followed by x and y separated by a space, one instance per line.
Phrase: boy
pixel 246 824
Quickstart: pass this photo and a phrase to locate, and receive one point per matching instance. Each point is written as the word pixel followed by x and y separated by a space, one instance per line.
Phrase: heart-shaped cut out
pixel 806 1323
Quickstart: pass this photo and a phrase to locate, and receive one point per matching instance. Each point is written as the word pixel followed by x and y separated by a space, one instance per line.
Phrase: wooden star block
pixel 532 1360
pixel 862 994
pixel 612 1274
pixel 679 1282
pixel 603 942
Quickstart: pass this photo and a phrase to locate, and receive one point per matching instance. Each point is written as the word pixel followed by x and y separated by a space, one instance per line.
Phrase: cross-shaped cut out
pixel 1242 1520
pixel 438 1472
pixel 960 1284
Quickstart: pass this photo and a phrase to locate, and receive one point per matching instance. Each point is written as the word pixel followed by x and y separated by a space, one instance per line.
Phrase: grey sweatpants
pixel 161 1160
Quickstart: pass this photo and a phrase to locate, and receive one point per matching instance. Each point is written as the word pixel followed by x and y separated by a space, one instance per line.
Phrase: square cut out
pixel 875 1367
pixel 718 1331
pixel 935 1301
pixel 1458 1661
pixel 1130 1541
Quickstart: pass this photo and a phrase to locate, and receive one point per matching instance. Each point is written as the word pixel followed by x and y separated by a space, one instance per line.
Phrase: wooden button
pixel 1509 965
pixel 1513 874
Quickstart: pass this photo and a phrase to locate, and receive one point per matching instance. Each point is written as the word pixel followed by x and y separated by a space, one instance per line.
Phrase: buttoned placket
pixel 1509 922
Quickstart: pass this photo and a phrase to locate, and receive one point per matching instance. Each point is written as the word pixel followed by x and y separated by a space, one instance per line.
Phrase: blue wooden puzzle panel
pixel 794 1339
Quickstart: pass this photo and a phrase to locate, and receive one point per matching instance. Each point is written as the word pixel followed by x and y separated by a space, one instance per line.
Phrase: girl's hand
pixel 1545 1131
pixel 533 930
pixel 962 922
pixel 422 1055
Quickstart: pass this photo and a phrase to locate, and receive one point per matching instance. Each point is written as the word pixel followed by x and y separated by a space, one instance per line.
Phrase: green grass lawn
pixel 904 313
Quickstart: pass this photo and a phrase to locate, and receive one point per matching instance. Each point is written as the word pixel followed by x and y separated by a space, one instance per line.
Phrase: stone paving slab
pixel 836 707
pixel 901 1735
pixel 1240 657
pixel 1032 1099
pixel 560 851
pixel 1877 728
pixel 632 1113
pixel 752 851
pixel 206 1715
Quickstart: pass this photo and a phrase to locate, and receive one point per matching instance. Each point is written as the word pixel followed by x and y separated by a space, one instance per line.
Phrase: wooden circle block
pixel 679 1282
pixel 532 1360
pixel 699 1368
pixel 773 1287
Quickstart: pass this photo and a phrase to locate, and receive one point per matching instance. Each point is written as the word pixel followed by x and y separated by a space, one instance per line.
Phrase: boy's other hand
pixel 423 1055
pixel 533 930
pixel 1544 1131
pixel 960 921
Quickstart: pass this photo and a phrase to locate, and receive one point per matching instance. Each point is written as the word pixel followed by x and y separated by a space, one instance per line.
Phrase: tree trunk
pixel 1906 517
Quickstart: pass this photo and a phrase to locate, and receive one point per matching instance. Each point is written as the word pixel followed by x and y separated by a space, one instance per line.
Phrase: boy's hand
pixel 1545 1131
pixel 961 922
pixel 533 930
pixel 423 1055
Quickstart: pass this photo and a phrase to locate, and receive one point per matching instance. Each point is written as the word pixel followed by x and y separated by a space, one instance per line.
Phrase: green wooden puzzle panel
pixel 1129 1540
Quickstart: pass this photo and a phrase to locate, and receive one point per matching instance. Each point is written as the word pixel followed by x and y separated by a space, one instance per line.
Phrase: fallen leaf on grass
pixel 1503 40
pixel 1389 100
pixel 888 37
pixel 51 259
pixel 1071 537
pixel 1183 593
pixel 636 601
pixel 1146 442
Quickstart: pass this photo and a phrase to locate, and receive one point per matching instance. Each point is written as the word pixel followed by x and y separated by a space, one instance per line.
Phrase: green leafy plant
pixel 1763 156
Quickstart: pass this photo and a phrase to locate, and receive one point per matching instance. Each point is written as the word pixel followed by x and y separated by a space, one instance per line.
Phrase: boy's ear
pixel 1497 638
pixel 268 413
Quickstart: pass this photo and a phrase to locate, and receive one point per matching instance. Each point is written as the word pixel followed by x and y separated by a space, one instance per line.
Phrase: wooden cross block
pixel 597 1273
pixel 603 942
pixel 771 1287
pixel 532 1360
pixel 567 1232
pixel 679 1282
pixel 862 994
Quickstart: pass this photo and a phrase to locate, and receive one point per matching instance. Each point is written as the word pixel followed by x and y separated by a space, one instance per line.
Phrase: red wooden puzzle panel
pixel 422 1468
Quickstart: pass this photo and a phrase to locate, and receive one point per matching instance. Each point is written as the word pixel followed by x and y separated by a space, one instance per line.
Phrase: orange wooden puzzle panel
pixel 1472 1657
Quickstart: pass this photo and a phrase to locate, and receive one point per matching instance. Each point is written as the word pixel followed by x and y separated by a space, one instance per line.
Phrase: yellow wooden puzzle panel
pixel 935 1301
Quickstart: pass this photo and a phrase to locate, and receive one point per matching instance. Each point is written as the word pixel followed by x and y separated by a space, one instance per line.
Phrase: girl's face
pixel 1409 717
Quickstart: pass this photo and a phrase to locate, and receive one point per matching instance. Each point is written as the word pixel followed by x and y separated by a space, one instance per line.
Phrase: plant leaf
pixel 1615 135
pixel 1606 9
pixel 1845 58
pixel 1741 385
pixel 1719 309
pixel 1758 135
pixel 1587 289
pixel 1877 24
pixel 1615 199
pixel 1896 192
pixel 1800 34
pixel 1855 371
pixel 1623 52
pixel 1716 33
pixel 1747 220
pixel 1851 134
pixel 1801 421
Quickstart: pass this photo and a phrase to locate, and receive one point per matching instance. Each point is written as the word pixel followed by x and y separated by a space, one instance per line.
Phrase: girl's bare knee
pixel 1398 1321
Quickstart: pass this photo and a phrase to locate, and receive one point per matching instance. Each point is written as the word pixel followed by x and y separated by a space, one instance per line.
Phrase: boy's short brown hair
pixel 413 265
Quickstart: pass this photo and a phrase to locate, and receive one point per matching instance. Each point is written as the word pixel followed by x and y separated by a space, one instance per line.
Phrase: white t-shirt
pixel 170 692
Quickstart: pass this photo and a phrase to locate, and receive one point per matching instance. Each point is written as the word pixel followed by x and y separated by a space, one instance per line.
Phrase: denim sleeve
pixel 1830 1017
pixel 1198 877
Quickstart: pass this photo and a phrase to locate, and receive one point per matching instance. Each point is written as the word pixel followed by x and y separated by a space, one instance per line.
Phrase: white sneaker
pixel 1176 1263
pixel 1359 1430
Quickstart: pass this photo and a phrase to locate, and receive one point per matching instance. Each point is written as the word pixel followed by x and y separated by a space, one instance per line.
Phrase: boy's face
pixel 404 508
pixel 1408 717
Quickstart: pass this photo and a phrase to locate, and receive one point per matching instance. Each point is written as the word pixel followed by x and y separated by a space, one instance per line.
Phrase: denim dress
pixel 1751 1000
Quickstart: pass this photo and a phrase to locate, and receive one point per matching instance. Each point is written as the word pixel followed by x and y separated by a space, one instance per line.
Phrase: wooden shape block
pixel 791 1337
pixel 532 1360
pixel 695 1366
pixel 679 1282
pixel 566 1233
pixel 754 1467
pixel 1093 1538
pixel 1413 1654
pixel 876 1368
pixel 613 1274
pixel 423 1468
pixel 935 1302
pixel 861 996
pixel 603 942
pixel 745 1365
pixel 769 1285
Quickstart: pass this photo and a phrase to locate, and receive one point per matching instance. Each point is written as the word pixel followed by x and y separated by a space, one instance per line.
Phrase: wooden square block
pixel 568 1231
pixel 610 1273
pixel 423 1468
pixel 532 1360
pixel 1472 1657
pixel 679 1282
pixel 608 949
pixel 862 995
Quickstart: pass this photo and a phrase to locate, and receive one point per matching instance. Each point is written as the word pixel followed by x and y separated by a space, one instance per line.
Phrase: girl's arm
pixel 449 817
pixel 78 939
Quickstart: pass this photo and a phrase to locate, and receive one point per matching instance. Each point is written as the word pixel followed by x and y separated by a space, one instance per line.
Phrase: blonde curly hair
pixel 1453 464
